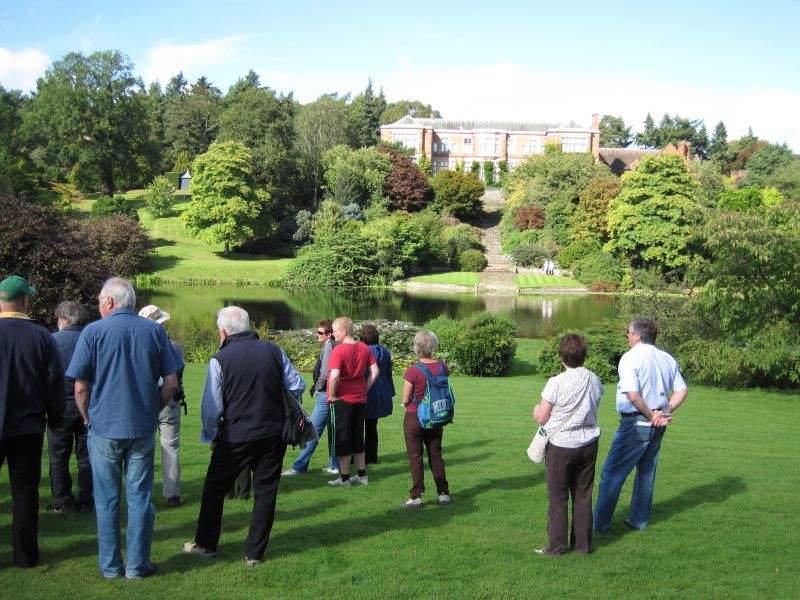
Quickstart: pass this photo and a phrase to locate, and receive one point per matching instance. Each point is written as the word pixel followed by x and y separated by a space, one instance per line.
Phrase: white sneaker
pixel 291 473
pixel 412 503
pixel 339 483
pixel 444 499
pixel 330 470
pixel 358 479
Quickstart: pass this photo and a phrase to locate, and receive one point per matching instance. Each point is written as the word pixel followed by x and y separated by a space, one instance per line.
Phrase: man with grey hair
pixel 243 416
pixel 650 389
pixel 71 318
pixel 31 392
pixel 120 360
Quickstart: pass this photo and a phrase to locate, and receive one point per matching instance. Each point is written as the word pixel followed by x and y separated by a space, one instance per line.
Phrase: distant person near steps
pixel 649 391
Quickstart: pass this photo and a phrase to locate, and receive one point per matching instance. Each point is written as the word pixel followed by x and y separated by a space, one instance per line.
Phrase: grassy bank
pixel 451 278
pixel 724 521
pixel 532 280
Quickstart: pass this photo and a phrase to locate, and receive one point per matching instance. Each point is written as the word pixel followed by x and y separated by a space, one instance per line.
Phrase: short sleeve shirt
pixel 352 361
pixel 574 387
pixel 651 372
pixel 123 357
pixel 417 378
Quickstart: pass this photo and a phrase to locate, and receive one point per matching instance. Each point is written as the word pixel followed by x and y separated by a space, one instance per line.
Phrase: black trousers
pixel 570 472
pixel 60 443
pixel 371 441
pixel 265 459
pixel 24 455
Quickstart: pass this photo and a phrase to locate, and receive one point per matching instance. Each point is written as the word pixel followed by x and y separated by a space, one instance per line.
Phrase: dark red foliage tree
pixel 529 217
pixel 406 186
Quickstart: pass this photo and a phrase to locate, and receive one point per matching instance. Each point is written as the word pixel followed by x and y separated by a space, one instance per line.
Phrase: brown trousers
pixel 570 472
pixel 416 437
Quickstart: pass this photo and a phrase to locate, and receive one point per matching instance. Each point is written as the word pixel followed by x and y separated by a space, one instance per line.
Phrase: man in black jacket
pixel 243 416
pixel 31 392
pixel 71 318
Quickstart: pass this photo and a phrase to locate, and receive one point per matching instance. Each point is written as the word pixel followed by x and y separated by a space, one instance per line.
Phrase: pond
pixel 538 316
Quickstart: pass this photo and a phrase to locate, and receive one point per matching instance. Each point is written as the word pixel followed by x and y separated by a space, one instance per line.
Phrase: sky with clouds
pixel 735 61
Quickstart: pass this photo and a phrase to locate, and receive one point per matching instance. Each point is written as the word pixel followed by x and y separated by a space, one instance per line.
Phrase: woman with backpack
pixel 416 436
pixel 379 396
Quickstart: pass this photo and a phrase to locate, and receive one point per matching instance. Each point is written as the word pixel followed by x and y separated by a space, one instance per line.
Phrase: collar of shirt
pixel 14 315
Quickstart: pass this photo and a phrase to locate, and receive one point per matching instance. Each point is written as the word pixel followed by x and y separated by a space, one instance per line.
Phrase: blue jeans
pixel 108 457
pixel 319 417
pixel 633 446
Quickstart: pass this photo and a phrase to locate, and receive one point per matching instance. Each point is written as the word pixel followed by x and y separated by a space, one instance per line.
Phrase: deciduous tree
pixel 652 220
pixel 405 185
pixel 227 204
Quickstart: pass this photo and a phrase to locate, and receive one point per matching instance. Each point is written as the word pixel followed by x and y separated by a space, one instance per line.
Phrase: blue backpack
pixel 438 406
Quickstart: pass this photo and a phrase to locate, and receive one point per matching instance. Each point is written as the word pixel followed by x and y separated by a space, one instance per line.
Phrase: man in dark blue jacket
pixel 71 318
pixel 243 416
pixel 31 392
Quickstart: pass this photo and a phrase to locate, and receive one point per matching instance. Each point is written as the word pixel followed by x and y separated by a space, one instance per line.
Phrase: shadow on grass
pixel 162 242
pixel 709 493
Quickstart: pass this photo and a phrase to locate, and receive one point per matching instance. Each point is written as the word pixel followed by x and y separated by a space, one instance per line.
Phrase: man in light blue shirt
pixel 120 360
pixel 650 389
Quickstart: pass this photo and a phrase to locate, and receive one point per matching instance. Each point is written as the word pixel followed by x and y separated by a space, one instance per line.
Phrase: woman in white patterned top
pixel 569 408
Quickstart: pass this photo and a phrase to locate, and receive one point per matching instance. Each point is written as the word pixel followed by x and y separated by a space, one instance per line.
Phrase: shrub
pixel 606 347
pixel 472 260
pixel 598 268
pixel 485 346
pixel 344 260
pixel 353 212
pixel 397 244
pixel 446 330
pixel 174 178
pixel 529 255
pixel 119 242
pixel 459 238
pixel 576 250
pixel 160 197
pixel 406 185
pixel 113 205
pixel 458 193
pixel 303 222
pixel 529 217
pixel 488 172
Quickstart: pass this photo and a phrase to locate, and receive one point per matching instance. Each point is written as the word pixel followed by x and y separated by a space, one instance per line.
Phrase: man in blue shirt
pixel 122 359
pixel 243 417
pixel 650 388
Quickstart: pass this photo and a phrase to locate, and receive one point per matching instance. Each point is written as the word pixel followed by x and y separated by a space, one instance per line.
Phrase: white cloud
pixel 20 70
pixel 166 61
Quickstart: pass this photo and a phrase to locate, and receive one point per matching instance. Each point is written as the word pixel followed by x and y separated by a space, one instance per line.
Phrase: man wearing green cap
pixel 32 389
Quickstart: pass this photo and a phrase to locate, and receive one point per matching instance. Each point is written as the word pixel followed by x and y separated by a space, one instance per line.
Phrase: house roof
pixel 621 159
pixel 408 120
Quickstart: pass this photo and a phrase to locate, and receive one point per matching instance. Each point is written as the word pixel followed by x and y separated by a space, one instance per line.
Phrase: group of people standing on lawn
pixel 123 376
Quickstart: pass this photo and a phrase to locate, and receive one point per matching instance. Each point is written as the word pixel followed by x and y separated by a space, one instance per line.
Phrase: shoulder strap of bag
pixel 425 371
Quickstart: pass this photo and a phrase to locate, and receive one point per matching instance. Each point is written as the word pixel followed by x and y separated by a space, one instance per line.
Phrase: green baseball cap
pixel 14 287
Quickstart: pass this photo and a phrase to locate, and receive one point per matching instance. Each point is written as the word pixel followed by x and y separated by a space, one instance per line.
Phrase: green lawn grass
pixel 451 278
pixel 724 522
pixel 532 280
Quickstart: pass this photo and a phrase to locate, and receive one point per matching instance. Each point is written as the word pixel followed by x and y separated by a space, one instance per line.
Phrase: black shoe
pixel 149 573
pixel 57 509
pixel 174 502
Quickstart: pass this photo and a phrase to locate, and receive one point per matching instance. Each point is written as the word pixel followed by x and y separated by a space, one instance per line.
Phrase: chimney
pixel 684 150
pixel 595 121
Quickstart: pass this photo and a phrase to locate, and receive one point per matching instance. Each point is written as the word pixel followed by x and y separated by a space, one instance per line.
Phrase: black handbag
pixel 297 426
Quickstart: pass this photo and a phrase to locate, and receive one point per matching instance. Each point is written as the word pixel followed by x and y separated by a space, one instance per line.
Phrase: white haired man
pixel 243 416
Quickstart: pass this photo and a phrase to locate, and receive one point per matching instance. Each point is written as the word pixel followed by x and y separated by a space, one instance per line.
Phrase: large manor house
pixel 450 143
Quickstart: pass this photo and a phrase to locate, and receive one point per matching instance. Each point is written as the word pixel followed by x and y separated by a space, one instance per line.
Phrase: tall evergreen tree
pixel 613 133
pixel 718 149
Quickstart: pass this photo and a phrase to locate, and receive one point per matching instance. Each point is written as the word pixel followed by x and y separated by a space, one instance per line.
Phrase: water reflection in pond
pixel 537 316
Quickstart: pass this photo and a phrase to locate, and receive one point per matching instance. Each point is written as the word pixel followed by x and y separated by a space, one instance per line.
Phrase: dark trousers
pixel 371 441
pixel 570 472
pixel 24 454
pixel 60 443
pixel 241 486
pixel 265 459
pixel 416 437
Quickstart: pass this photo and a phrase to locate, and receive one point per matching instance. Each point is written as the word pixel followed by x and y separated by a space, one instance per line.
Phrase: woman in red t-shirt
pixel 416 436
pixel 347 397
